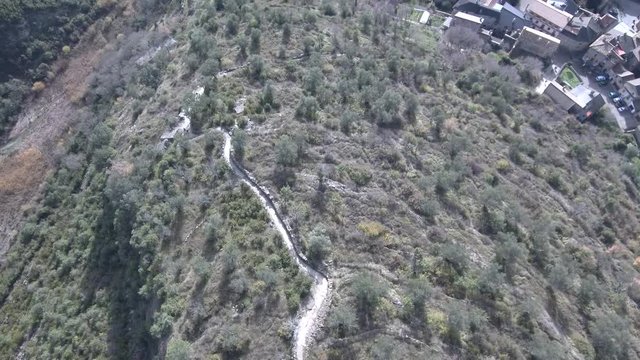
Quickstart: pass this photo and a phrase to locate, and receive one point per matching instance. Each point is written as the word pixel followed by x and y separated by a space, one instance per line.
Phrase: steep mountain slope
pixel 456 213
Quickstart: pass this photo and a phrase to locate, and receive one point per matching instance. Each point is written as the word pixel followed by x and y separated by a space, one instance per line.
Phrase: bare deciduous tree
pixel 464 38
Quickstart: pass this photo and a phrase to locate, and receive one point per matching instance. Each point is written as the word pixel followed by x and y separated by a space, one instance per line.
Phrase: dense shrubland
pixel 453 185
pixel 459 214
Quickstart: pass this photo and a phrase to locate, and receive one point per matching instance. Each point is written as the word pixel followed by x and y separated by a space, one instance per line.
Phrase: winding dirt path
pixel 312 307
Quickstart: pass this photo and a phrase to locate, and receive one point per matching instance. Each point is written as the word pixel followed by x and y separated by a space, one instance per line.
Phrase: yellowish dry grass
pixel 22 170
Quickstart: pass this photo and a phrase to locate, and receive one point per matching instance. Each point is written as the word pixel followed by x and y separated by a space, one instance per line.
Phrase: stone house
pixel 468 21
pixel 545 17
pixel 581 101
pixel 536 43
pixel 620 46
pixel 633 88
pixel 583 29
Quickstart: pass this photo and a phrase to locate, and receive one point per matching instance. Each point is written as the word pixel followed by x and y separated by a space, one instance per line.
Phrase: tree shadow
pixel 282 176
pixel 113 267
pixel 196 314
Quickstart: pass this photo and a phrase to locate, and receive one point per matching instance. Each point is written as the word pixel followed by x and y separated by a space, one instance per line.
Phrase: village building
pixel 574 27
pixel 424 18
pixel 545 17
pixel 500 17
pixel 581 101
pixel 630 94
pixel 569 6
pixel 480 9
pixel 620 76
pixel 620 46
pixel 511 19
pixel 583 29
pixel 604 53
pixel 468 21
pixel 536 43
pixel 611 49
pixel 633 87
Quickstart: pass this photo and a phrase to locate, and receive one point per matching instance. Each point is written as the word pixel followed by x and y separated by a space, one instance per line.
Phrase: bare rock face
pixel 239 105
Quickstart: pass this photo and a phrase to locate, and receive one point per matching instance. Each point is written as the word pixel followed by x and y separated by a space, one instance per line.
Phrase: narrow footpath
pixel 312 307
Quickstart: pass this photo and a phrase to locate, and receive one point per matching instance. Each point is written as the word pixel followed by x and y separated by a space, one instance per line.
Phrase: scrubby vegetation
pixel 39 32
pixel 458 214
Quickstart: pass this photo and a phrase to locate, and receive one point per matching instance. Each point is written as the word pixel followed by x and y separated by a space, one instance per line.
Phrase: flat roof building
pixel 424 18
pixel 468 17
pixel 545 17
pixel 469 21
pixel 581 100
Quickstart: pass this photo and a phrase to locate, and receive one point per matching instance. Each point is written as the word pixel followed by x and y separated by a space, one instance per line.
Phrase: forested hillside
pixel 456 213
pixel 34 34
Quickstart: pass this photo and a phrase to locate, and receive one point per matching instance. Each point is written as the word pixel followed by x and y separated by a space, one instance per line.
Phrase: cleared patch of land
pixel 415 15
pixel 22 171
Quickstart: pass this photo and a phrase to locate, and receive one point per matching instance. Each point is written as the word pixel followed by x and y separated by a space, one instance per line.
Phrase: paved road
pixel 625 120
pixel 629 11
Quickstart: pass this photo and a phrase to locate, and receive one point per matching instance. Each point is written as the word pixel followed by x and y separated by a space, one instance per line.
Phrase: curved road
pixel 320 290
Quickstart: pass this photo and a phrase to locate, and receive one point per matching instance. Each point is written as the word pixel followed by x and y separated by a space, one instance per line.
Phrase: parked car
pixel 614 95
pixel 602 78
pixel 617 99
pixel 622 108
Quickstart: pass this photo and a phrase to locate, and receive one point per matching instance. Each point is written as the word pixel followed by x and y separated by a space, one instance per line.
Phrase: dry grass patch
pixel 22 171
